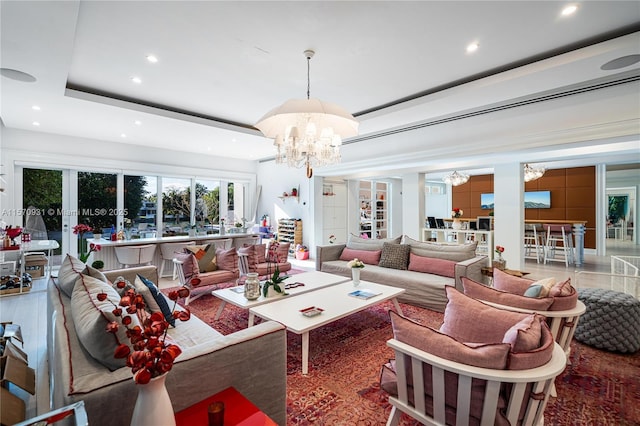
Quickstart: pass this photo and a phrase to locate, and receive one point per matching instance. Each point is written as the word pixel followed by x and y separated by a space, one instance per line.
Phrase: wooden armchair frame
pixel 541 379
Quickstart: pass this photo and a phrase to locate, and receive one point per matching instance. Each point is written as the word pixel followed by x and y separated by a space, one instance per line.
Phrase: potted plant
pixel 274 282
pixel 98 264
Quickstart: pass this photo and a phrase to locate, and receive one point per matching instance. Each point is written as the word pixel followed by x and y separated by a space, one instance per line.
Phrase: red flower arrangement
pixel 149 354
pixel 499 250
pixel 80 230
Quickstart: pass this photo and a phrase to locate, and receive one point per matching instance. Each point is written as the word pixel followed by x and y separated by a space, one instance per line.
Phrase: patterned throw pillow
pixel 395 256
pixel 205 255
pixel 91 316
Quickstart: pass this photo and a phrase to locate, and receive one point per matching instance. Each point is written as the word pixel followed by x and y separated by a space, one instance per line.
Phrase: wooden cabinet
pixel 290 231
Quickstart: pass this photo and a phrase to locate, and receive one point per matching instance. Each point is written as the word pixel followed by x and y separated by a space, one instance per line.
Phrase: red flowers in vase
pixel 150 354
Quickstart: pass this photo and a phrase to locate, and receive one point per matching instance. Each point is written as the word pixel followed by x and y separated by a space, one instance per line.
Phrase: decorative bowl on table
pixel 13 233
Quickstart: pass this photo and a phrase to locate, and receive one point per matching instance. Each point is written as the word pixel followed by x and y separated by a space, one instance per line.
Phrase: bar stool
pixel 534 243
pixel 168 251
pixel 135 255
pixel 558 234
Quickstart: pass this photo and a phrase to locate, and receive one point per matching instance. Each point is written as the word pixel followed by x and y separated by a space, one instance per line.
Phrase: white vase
pixel 153 405
pixel 355 276
pixel 457 224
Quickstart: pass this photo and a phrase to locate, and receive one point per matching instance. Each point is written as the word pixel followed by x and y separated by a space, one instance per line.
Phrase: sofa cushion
pixel 394 256
pixel 205 255
pixel 432 265
pixel 486 355
pixel 68 274
pixel 159 298
pixel 277 252
pixel 462 314
pixel 510 283
pixel 91 316
pixel 95 273
pixel 227 259
pixel 260 251
pixel 564 296
pixel 250 252
pixel 143 290
pixel 370 257
pixel 537 356
pixel 455 252
pixel 489 294
pixel 358 243
pixel 190 267
pixel 525 335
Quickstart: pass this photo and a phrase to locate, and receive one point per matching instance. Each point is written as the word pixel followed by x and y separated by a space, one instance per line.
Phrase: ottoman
pixel 611 321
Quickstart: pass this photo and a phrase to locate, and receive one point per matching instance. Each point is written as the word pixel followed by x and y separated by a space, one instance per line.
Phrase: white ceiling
pixel 393 64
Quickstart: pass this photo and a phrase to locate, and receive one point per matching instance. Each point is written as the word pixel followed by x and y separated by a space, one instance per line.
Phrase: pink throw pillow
pixel 489 294
pixel 509 283
pixel 260 252
pixel 432 265
pixel 427 339
pixel 250 251
pixel 227 259
pixel 469 320
pixel 190 267
pixel 367 256
pixel 525 335
pixel 562 288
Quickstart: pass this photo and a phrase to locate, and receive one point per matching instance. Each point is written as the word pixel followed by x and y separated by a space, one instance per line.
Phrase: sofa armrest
pixel 129 274
pixel 327 253
pixel 470 268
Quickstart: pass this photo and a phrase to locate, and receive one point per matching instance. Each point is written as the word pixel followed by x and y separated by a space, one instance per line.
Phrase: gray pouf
pixel 611 321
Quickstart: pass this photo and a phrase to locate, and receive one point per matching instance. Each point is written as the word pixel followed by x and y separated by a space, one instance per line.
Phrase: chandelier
pixel 308 132
pixel 455 178
pixel 533 173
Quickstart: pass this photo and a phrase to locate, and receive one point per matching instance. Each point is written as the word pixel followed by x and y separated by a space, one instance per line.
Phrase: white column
pixel 602 208
pixel 508 188
pixel 413 205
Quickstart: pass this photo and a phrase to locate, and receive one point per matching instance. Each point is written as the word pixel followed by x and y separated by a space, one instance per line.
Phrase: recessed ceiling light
pixel 473 47
pixel 35 108
pixel 123 135
pixel 35 123
pixel 569 10
pixel 138 123
pixel 136 80
pixel 152 59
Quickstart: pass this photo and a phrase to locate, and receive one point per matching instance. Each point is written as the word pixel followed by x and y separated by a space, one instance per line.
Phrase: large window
pixel 140 201
pixel 97 201
pixel 176 206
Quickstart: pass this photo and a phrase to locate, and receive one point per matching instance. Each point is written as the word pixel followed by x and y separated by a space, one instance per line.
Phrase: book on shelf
pixel 364 294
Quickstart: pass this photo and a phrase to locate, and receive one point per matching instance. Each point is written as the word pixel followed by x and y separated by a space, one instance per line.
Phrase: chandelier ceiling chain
pixel 308 132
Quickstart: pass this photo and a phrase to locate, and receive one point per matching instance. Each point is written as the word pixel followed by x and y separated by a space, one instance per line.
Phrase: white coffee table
pixel 335 302
pixel 312 281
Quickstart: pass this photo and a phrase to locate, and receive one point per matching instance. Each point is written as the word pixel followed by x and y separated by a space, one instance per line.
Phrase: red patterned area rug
pixel 598 388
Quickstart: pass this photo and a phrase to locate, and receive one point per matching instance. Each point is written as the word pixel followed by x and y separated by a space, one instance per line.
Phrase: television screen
pixel 532 200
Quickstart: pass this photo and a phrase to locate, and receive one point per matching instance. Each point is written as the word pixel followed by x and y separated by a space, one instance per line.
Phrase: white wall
pixel 278 178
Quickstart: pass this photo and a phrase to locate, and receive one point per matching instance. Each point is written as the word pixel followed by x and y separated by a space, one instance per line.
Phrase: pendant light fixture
pixel 456 178
pixel 308 132
pixel 533 173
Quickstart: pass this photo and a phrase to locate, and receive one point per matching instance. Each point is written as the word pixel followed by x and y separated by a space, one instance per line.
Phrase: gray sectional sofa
pixel 252 360
pixel 423 269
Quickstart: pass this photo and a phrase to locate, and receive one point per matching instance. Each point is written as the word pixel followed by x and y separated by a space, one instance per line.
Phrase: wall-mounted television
pixel 532 200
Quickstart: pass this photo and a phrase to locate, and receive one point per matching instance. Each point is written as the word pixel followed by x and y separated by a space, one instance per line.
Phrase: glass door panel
pixel 43 207
pixel 97 204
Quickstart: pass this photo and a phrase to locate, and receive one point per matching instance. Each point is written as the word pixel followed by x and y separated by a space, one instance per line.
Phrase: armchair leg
pixel 394 417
